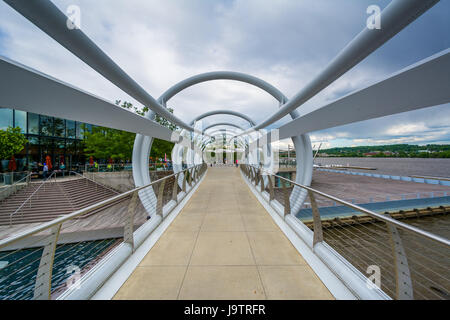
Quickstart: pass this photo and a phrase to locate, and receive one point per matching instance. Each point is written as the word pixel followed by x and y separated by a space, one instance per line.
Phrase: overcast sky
pixel 284 42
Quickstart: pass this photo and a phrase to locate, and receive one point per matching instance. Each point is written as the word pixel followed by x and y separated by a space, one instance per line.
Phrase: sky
pixel 285 42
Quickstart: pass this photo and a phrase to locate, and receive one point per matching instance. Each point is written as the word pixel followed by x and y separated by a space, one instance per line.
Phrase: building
pixel 60 139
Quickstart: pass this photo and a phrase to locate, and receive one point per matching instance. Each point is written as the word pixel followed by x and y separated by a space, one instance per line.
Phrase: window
pixel 88 127
pixel 6 118
pixel 70 129
pixel 59 127
pixel 33 123
pixel 20 120
pixel 79 130
pixel 47 146
pixel 33 140
pixel 70 146
pixel 46 125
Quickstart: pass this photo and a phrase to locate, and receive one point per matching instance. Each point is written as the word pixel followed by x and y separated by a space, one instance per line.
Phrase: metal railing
pixel 92 180
pixel 8 178
pixel 35 192
pixel 77 252
pixel 124 167
pixel 411 263
pixel 9 190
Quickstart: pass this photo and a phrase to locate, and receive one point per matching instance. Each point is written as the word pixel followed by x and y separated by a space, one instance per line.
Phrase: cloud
pixel 286 43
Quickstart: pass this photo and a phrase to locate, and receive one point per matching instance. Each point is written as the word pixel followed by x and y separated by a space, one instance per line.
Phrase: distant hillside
pixel 393 150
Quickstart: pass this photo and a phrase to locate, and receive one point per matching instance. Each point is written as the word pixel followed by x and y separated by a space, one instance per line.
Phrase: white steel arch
pixel 302 143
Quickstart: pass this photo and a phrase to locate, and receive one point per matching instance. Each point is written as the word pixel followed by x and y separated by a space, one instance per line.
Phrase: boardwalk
pixel 223 245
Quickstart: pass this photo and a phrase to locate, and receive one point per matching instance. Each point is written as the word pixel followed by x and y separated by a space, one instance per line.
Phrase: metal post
pixel 261 178
pixel 271 191
pixel 257 175
pixel 189 177
pixel 159 203
pixel 404 288
pixel 129 224
pixel 175 188
pixel 43 283
pixel 287 203
pixel 184 181
pixel 318 233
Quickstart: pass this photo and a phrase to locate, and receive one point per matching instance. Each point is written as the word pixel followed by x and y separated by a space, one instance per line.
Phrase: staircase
pixel 52 200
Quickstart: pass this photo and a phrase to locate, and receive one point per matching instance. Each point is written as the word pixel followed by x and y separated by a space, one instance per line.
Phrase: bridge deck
pixel 223 245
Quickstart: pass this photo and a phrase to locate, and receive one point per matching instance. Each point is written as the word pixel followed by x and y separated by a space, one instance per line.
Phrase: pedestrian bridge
pixel 222 232
pixel 223 245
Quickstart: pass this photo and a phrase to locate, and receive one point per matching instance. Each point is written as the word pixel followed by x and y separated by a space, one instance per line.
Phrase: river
pixel 395 166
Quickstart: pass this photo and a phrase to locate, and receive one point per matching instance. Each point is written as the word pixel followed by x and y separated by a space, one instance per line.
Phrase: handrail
pixel 29 198
pixel 404 226
pixel 85 177
pixel 60 220
pixel 15 183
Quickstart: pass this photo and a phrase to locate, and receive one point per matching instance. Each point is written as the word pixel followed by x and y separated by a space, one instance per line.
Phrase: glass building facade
pixel 60 139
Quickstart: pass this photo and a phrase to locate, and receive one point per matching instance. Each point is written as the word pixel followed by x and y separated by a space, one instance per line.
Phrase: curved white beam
pixel 223 124
pixel 228 112
pixel 301 143
pixel 26 89
pixel 423 84
pixel 47 17
pixel 221 75
pixel 396 16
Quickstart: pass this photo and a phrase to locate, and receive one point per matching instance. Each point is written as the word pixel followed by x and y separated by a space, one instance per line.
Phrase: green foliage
pixel 395 150
pixel 12 141
pixel 161 147
pixel 105 143
pixel 162 121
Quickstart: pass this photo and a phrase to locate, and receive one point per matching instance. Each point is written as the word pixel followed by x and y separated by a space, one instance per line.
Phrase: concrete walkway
pixel 223 245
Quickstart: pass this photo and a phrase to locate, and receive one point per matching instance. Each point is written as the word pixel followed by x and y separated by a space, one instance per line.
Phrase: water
pixel 18 277
pixel 395 166
pixel 380 207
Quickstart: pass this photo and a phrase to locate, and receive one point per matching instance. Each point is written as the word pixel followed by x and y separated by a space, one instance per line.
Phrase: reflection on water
pixel 18 275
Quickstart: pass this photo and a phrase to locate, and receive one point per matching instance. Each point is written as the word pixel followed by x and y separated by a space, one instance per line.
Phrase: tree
pixel 143 111
pixel 105 143
pixel 12 141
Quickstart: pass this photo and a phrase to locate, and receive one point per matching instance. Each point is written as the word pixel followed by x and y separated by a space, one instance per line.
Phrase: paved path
pixel 223 245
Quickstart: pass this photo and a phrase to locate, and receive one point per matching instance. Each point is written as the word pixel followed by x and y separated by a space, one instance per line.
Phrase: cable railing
pixel 74 254
pixel 29 199
pixel 402 259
